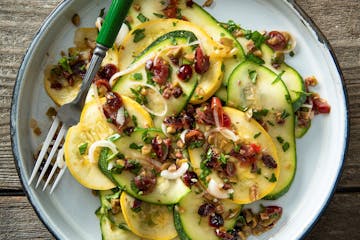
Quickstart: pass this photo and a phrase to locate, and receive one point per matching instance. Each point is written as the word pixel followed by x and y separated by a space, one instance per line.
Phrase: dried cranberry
pixel 145 181
pixel 174 122
pixel 321 106
pixel 79 67
pixel 112 105
pixel 273 210
pixel 185 72
pixel 269 161
pixel 161 71
pixel 161 147
pixel 202 62
pixel 136 204
pixel 177 92
pixel 128 130
pixel 189 3
pixel 276 40
pixel 230 169
pixel 216 220
pixel 190 178
pixel 204 115
pixel 56 85
pixel 103 82
pixel 108 71
pixel 223 235
pixel 206 209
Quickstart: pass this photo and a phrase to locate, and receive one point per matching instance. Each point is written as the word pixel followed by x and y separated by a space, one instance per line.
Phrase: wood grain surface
pixel 339 21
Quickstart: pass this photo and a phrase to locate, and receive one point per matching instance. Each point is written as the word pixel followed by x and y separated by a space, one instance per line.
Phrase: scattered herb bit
pixel 270 123
pixel 139 34
pixel 272 178
pixel 64 63
pixel 258 171
pixel 278 77
pixel 257 135
pixel 280 139
pixel 223 159
pixel 196 144
pixel 82 148
pixel 158 15
pixel 251 57
pixel 114 137
pixel 284 114
pixel 291 54
pixel 135 146
pixel 136 166
pixel 252 75
pixel 114 195
pixel 174 24
pixel 142 18
pixel 285 146
pixel 146 138
pixel 102 13
pixel 258 114
pixel 134 119
pixel 256 37
pixel 231 26
pixel 288 98
pixel 236 148
pixel 134 187
pixel 139 98
pixel 137 76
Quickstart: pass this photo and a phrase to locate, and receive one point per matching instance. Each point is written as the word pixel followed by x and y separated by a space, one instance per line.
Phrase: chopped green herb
pixel 270 123
pixel 222 34
pixel 256 37
pixel 231 26
pixel 196 144
pixel 284 114
pixel 146 138
pixel 237 148
pixel 272 178
pixel 291 54
pixel 134 119
pixel 135 146
pixel 174 24
pixel 258 171
pixel 158 15
pixel 259 114
pixel 285 146
pixel 280 139
pixel 136 166
pixel 64 63
pixel 114 195
pixel 252 75
pixel 288 98
pixel 278 77
pixel 102 13
pixel 82 148
pixel 141 99
pixel 137 76
pixel 139 34
pixel 142 18
pixel 251 57
pixel 257 135
pixel 149 78
pixel 114 137
pixel 134 187
pixel 223 159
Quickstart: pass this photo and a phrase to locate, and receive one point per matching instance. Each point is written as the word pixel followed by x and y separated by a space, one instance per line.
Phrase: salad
pixel 188 121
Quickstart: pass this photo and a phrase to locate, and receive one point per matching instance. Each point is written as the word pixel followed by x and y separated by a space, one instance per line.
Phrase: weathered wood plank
pixel 19 221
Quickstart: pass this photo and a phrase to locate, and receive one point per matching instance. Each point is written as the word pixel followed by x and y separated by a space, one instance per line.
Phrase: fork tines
pixel 52 142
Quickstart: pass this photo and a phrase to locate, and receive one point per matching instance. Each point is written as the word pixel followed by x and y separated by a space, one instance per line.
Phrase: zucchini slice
pixel 190 225
pixel 292 79
pixel 258 90
pixel 140 78
pixel 93 127
pixel 109 231
pixel 148 220
pixel 248 184
pixel 165 192
pixel 208 82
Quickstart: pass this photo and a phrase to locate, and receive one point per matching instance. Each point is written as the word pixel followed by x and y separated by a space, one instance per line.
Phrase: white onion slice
pixel 216 190
pixel 227 133
pixel 161 114
pixel 164 129
pixel 100 143
pixel 175 174
pixel 120 116
pixel 124 30
pixel 60 158
pixel 182 135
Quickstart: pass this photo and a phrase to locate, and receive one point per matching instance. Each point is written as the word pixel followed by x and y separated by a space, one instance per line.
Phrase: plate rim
pixel 48 20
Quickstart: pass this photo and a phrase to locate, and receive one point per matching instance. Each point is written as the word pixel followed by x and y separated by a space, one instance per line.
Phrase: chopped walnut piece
pixel 311 81
pixel 208 3
pixel 136 7
pixel 254 195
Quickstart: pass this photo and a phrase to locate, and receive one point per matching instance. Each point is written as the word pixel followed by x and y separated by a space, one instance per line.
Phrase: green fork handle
pixel 113 21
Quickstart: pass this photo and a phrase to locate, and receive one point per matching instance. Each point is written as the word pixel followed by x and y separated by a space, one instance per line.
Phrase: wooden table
pixel 340 22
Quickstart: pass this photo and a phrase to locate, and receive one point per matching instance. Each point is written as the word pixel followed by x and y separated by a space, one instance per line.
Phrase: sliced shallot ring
pixel 120 116
pixel 292 42
pixel 216 190
pixel 100 143
pixel 175 174
pixel 182 135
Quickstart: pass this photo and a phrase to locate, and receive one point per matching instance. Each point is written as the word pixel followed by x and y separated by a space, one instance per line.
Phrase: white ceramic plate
pixel 69 211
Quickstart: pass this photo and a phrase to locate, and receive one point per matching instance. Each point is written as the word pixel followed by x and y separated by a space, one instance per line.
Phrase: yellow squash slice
pixel 148 220
pixel 93 127
pixel 249 186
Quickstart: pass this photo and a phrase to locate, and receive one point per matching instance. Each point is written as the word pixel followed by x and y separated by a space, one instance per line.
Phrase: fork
pixel 69 114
